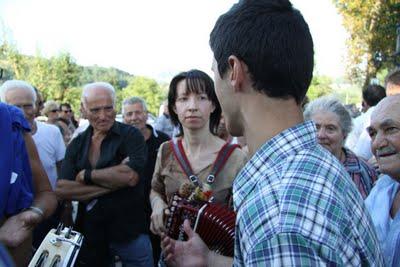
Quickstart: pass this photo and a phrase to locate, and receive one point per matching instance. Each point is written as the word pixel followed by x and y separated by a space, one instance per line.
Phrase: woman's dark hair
pixel 196 82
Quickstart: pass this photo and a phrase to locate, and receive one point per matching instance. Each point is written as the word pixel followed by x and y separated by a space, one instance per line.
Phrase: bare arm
pixel 73 190
pixel 45 199
pixel 113 177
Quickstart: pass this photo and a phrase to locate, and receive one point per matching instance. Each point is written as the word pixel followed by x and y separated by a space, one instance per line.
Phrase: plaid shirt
pixel 297 206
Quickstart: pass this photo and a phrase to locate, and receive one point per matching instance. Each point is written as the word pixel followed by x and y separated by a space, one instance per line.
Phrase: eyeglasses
pixel 67 111
pixel 54 110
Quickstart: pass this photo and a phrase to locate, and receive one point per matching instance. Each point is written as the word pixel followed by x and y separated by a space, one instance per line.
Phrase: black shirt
pixel 153 144
pixel 117 216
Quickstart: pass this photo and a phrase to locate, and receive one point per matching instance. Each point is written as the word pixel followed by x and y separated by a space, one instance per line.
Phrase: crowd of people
pixel 310 185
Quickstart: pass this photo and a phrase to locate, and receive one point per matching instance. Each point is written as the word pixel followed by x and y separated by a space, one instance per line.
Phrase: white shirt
pixel 51 148
pixel 362 147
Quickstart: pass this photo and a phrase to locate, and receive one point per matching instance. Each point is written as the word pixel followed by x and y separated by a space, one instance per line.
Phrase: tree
pixel 372 27
pixel 320 85
pixel 146 88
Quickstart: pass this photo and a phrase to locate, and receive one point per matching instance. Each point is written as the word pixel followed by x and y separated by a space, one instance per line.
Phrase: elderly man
pixel 110 192
pixel 384 199
pixel 296 205
pixel 134 112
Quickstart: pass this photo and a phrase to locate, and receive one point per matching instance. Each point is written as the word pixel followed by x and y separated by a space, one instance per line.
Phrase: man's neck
pixel 146 132
pixel 266 117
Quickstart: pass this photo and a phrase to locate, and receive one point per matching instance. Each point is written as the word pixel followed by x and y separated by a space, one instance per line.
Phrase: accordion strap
pixel 222 158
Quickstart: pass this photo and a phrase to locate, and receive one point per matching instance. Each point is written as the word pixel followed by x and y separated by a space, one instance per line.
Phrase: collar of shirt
pixel 270 154
pixel 115 129
pixel 352 162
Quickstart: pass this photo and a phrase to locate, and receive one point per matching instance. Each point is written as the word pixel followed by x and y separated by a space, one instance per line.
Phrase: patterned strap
pixel 222 158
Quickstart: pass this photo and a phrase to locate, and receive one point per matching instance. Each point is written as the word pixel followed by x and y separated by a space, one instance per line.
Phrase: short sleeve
pixel 59 145
pixel 157 183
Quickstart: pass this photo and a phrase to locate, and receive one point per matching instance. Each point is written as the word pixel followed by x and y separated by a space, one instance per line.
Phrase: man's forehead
pixel 19 94
pixel 387 112
pixel 133 107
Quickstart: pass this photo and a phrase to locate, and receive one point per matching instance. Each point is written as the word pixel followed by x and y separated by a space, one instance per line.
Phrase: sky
pixel 154 38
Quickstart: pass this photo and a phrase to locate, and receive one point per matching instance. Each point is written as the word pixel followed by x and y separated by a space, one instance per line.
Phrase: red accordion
pixel 214 223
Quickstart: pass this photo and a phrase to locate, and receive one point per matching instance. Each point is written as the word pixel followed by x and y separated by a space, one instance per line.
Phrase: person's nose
pixel 321 133
pixel 379 141
pixel 192 103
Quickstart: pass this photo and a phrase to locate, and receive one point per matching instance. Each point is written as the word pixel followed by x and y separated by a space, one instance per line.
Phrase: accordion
pixel 59 248
pixel 214 223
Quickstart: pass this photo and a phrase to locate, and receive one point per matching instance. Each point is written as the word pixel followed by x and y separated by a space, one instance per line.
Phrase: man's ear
pixel 238 73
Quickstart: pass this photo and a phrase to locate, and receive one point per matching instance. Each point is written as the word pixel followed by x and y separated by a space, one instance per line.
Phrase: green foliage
pixel 320 85
pixel 60 78
pixel 146 88
pixel 372 27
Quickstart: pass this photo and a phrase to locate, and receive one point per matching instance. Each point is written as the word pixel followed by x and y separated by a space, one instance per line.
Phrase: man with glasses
pixel 67 114
pixel 103 170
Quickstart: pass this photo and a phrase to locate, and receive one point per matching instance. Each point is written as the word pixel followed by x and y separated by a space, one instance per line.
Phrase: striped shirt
pixel 297 206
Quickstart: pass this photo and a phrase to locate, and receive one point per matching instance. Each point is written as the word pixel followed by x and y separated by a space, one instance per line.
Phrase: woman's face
pixel 329 131
pixel 193 109
pixel 52 115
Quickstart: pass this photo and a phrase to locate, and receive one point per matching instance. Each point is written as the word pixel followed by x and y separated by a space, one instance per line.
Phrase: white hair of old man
pixel 96 85
pixel 16 84
pixel 134 100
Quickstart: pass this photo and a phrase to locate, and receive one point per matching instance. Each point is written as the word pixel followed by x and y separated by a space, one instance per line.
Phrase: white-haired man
pixel 383 202
pixel 135 113
pixel 110 192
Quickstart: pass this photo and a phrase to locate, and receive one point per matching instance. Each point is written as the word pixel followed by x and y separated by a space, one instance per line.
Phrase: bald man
pixel 384 199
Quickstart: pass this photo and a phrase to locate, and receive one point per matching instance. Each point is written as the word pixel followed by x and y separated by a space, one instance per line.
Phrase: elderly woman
pixel 333 124
pixel 50 110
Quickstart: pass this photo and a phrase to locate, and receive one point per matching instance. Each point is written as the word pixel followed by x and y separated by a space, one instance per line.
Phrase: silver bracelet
pixel 36 210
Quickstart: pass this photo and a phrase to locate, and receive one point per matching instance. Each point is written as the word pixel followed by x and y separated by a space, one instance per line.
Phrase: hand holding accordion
pixel 214 223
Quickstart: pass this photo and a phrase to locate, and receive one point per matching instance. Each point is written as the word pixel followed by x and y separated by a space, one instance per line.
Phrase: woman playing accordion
pixel 197 165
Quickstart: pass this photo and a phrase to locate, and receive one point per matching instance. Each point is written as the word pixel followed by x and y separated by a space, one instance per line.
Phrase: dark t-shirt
pixel 117 216
pixel 153 144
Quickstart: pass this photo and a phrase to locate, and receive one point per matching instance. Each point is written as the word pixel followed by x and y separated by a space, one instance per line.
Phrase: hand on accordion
pixel 193 252
pixel 160 210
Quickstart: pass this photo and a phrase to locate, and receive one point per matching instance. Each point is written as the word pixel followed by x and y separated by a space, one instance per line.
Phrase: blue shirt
pixel 297 206
pixel 379 202
pixel 16 187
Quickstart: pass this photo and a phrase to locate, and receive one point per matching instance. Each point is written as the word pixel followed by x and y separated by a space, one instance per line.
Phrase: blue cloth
pixel 297 206
pixel 379 203
pixel 16 192
pixel 5 259
pixel 134 253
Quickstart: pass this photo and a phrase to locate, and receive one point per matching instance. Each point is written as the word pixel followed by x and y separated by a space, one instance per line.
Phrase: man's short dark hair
pixel 373 94
pixel 67 105
pixel 274 41
pixel 393 77
pixel 197 82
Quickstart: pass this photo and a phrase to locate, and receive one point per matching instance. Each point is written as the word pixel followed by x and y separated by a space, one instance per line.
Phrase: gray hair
pixel 49 106
pixel 91 86
pixel 134 100
pixel 330 104
pixel 16 84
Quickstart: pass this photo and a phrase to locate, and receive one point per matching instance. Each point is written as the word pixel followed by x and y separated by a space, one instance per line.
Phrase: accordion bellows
pixel 214 223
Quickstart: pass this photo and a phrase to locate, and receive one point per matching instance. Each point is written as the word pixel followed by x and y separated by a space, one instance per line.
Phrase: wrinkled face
pixel 65 113
pixel 135 115
pixel 23 99
pixel 385 137
pixel 193 109
pixel 329 131
pixel 99 109
pixel 224 92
